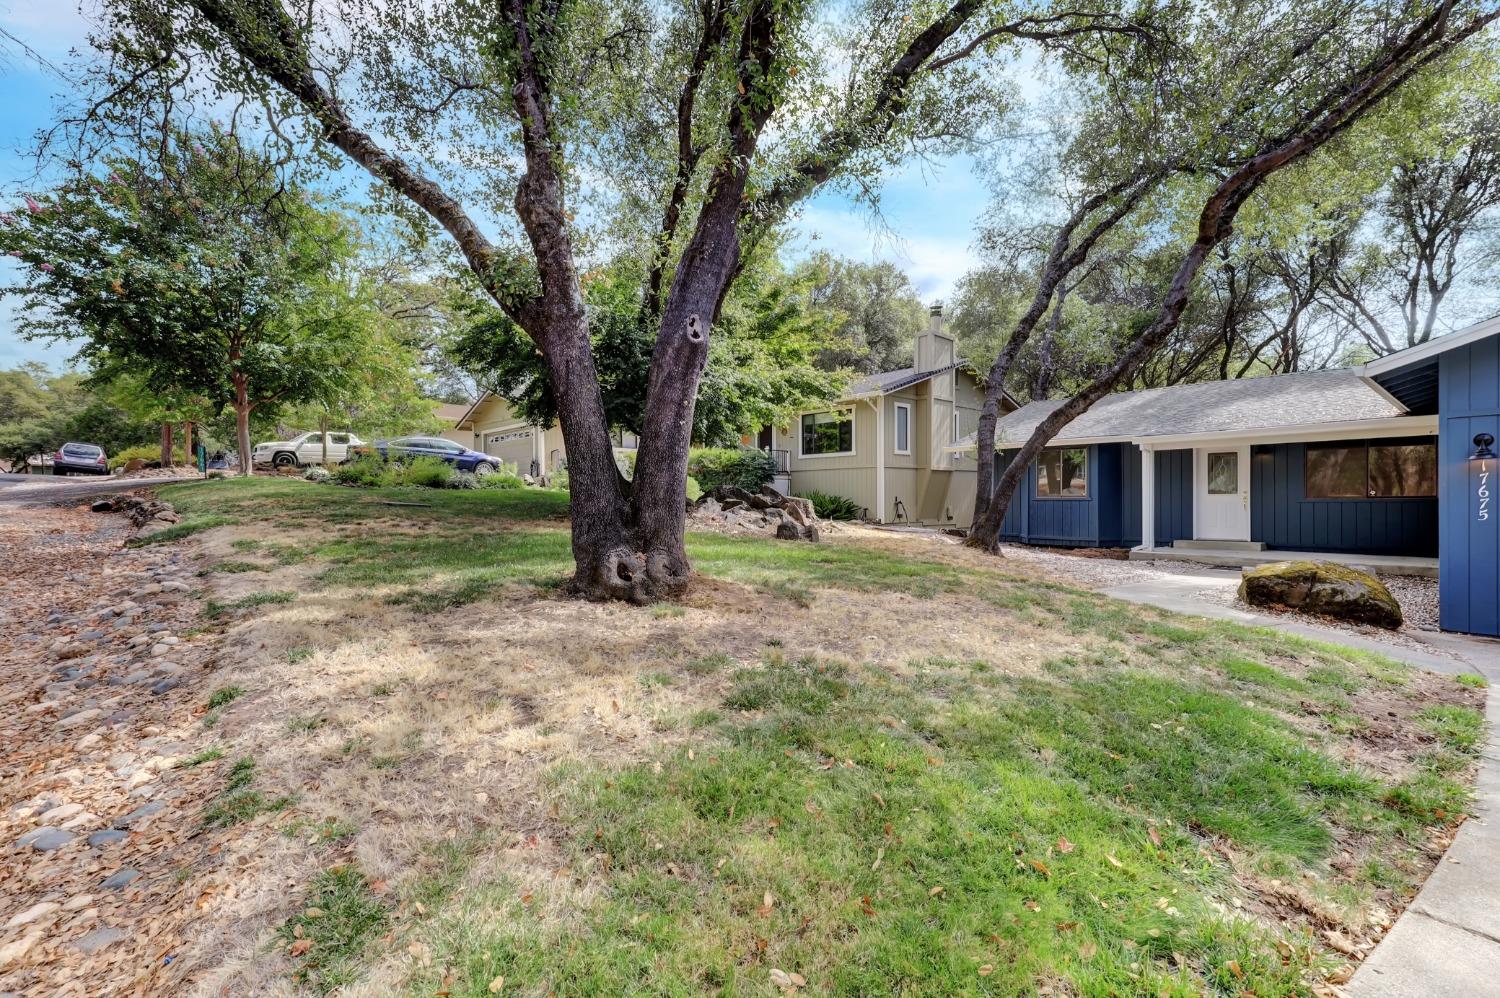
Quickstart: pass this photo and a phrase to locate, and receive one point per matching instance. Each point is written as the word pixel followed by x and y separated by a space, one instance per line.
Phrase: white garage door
pixel 513 447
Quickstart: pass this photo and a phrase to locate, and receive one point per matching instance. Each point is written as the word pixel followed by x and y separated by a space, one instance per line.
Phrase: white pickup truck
pixel 305 449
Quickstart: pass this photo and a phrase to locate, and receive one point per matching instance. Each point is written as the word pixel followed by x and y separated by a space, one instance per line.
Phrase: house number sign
pixel 1483 492
pixel 1483 456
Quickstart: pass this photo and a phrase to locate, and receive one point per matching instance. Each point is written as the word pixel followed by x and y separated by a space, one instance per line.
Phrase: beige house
pixel 884 445
pixel 491 425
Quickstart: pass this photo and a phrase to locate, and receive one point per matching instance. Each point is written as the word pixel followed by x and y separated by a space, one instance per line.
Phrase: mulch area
pixel 101 697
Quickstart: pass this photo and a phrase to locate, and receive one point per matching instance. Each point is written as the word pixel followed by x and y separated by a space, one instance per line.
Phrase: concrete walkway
pixel 1229 557
pixel 1447 943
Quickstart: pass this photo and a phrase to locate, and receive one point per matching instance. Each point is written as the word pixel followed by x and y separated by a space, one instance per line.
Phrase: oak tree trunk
pixel 187 440
pixel 166 445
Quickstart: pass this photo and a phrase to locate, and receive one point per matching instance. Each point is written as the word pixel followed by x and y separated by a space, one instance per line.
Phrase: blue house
pixel 1391 465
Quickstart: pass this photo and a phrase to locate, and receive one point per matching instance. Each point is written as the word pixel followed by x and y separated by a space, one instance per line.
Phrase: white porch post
pixel 1148 497
pixel 878 405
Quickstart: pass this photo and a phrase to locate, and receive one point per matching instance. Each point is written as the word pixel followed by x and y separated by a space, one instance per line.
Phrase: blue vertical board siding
pixel 1011 527
pixel 1059 522
pixel 1469 559
pixel 1283 517
pixel 1174 496
pixel 1130 495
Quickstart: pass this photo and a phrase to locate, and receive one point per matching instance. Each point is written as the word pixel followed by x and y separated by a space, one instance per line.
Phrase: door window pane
pixel 1224 473
pixel 1335 472
pixel 1062 472
pixel 1403 470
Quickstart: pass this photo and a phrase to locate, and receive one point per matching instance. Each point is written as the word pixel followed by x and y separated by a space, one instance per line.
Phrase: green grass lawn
pixel 1156 805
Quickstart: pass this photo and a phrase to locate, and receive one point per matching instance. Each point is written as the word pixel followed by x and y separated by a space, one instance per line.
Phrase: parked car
pixel 305 448
pixel 461 457
pixel 80 459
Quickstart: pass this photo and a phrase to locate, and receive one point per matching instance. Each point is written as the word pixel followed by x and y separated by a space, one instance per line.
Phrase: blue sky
pixel 928 210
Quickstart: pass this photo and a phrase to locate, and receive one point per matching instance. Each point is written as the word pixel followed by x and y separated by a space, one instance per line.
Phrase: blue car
pixel 461 457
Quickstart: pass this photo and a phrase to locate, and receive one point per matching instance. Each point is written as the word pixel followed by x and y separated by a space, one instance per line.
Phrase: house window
pixel 1062 473
pixel 1375 471
pixel 1403 469
pixel 958 424
pixel 828 433
pixel 903 428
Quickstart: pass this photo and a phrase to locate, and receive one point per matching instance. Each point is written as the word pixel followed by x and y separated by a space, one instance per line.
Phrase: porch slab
pixel 1380 564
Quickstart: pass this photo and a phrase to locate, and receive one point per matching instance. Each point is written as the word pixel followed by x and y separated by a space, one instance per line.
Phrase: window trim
pixel 853 435
pixel 1036 465
pixel 896 429
pixel 1425 440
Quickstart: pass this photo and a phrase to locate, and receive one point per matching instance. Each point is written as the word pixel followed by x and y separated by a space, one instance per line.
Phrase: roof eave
pixel 1433 347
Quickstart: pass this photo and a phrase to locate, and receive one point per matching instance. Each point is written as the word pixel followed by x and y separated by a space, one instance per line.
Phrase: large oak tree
pixel 1266 88
pixel 503 122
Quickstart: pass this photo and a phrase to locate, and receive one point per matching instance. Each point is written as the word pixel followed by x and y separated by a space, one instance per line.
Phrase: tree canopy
pixel 203 273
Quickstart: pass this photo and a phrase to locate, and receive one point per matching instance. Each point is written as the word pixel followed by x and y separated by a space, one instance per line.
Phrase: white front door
pixel 1222 496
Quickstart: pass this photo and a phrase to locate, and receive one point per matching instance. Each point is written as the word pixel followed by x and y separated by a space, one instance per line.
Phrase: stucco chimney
pixel 934 345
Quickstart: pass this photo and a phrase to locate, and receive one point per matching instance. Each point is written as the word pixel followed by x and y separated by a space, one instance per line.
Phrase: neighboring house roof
pixel 450 413
pixel 1246 404
pixel 874 385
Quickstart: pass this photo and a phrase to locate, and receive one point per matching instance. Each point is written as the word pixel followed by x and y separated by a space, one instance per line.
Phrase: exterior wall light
pixel 1482 444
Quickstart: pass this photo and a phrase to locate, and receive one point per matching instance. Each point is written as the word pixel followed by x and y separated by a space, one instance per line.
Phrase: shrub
pixel 145 452
pixel 423 472
pixel 743 467
pixel 832 507
pixel 694 490
pixel 559 479
pixel 499 480
pixel 317 474
pixel 366 470
pixel 463 480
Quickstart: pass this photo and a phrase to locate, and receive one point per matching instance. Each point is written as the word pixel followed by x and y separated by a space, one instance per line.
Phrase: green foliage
pixel 872 310
pixel 366 470
pixel 762 365
pixel 144 452
pixel 421 472
pixel 373 471
pixel 743 467
pixel 1458 728
pixel 207 755
pixel 329 935
pixel 40 411
pixel 197 268
pixel 831 507
pixel 177 531
pixel 1471 679
pixel 225 695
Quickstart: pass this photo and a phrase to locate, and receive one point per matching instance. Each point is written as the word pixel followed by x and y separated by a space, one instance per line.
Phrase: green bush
pixel 423 472
pixel 317 474
pixel 559 479
pixel 832 507
pixel 367 470
pixel 146 452
pixel 499 480
pixel 694 490
pixel 743 467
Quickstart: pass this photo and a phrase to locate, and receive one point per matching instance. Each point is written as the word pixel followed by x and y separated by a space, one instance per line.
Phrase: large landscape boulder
pixel 1325 588
pixel 730 509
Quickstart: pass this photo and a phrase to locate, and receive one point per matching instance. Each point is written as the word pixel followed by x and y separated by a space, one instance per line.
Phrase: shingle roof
pixel 1213 406
pixel 891 381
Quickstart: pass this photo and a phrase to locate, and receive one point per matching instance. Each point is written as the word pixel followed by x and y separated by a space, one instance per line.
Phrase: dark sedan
pixel 80 459
pixel 461 457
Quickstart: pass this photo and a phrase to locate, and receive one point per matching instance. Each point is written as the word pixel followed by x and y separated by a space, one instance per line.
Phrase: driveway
pixel 64 490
